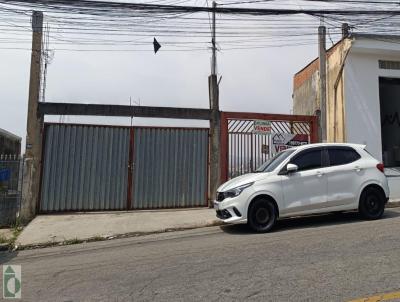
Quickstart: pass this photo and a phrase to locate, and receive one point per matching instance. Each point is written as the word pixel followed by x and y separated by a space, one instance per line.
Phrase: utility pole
pixel 213 42
pixel 322 81
pixel 345 30
pixel 215 123
pixel 33 151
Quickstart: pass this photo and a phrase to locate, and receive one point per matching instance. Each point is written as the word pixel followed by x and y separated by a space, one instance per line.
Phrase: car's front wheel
pixel 372 203
pixel 262 215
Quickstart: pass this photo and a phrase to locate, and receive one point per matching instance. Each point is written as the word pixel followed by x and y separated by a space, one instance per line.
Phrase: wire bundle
pixel 184 25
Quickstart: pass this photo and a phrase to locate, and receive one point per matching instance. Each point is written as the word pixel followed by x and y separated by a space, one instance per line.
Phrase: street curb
pixel 393 204
pixel 4 247
pixel 111 237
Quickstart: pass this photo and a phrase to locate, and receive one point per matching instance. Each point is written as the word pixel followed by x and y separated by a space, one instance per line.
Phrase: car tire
pixel 262 215
pixel 372 203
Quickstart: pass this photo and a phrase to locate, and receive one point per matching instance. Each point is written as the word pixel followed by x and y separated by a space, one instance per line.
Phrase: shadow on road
pixel 308 222
pixel 7 256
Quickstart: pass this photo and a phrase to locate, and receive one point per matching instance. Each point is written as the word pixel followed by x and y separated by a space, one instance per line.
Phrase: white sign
pixel 283 141
pixel 262 127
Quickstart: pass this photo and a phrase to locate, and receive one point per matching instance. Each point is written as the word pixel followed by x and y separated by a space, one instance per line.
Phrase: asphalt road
pixel 326 258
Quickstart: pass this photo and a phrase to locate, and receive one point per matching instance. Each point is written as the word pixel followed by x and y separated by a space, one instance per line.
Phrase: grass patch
pixel 16 229
pixel 98 238
pixel 77 241
pixel 72 241
pixel 3 239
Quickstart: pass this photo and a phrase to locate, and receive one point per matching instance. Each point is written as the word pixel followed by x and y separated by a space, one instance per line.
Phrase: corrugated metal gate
pixel 85 168
pixel 170 168
pixel 113 168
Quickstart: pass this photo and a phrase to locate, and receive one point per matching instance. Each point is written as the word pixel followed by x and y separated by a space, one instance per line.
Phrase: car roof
pixel 308 146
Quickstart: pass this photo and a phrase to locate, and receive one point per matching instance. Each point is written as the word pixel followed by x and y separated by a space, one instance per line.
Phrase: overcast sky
pixel 254 80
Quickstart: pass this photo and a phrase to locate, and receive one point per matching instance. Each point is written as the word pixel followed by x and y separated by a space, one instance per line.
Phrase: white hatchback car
pixel 310 179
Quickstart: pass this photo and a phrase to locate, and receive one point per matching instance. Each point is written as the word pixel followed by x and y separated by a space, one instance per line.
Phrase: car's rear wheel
pixel 372 203
pixel 262 215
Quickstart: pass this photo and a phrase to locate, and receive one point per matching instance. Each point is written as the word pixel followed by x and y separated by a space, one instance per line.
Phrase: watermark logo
pixel 12 281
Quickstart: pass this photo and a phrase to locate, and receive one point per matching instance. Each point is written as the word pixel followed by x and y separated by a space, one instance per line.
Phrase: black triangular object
pixel 156 45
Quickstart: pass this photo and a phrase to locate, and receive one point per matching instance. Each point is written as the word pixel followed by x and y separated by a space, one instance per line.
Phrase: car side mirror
pixel 291 168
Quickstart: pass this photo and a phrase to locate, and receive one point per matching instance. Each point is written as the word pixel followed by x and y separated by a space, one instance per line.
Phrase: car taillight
pixel 380 167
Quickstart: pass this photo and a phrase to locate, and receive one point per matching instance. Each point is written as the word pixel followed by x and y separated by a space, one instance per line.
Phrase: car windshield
pixel 275 161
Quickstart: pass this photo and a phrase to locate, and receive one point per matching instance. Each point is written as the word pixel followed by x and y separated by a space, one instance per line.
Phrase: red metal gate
pixel 243 151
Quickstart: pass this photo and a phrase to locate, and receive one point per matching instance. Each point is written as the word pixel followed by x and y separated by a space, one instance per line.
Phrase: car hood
pixel 242 180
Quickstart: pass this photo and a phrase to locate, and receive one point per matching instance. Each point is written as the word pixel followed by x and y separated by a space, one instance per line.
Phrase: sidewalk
pixel 77 227
pixel 74 228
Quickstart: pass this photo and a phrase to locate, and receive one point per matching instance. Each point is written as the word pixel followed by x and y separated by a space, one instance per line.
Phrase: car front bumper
pixel 230 212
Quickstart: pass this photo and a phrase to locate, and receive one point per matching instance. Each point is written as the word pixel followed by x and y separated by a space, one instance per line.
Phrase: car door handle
pixel 319 174
pixel 357 168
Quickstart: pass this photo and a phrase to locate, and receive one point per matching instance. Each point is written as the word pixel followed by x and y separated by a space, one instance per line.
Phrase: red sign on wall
pixel 283 141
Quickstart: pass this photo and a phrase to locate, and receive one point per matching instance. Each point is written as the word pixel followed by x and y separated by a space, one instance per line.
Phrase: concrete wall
pixel 335 116
pixel 306 91
pixel 363 121
pixel 306 96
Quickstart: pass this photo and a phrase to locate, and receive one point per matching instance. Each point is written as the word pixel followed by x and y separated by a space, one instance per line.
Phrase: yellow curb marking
pixel 378 298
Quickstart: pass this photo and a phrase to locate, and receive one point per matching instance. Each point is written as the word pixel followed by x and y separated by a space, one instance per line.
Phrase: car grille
pixel 220 196
pixel 223 214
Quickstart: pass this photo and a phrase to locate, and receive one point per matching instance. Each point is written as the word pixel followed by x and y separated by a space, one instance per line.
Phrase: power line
pixel 119 25
pixel 96 6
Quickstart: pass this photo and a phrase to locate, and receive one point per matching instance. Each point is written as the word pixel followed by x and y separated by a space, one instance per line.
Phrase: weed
pixel 3 239
pixel 72 241
pixel 97 238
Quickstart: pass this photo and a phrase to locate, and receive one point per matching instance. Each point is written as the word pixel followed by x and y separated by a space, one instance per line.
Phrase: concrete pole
pixel 214 46
pixel 215 138
pixel 345 30
pixel 322 81
pixel 31 185
pixel 215 122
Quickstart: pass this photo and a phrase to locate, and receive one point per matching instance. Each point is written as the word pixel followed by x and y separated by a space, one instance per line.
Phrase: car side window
pixel 342 156
pixel 308 160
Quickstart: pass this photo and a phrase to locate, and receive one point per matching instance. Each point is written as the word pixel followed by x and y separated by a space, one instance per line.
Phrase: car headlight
pixel 236 191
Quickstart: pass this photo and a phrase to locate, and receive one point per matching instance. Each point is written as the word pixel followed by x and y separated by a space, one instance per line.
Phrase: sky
pixel 253 80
